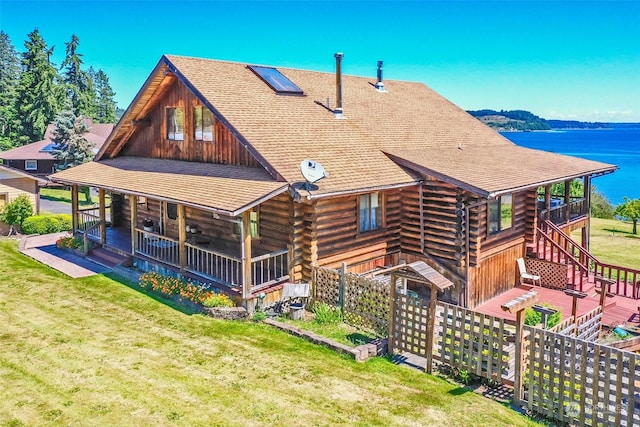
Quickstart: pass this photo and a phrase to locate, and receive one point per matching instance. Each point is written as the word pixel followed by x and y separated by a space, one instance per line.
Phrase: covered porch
pixel 227 228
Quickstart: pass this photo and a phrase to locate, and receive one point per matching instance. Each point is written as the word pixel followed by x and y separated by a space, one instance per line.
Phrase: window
pixel 3 199
pixel 202 124
pixel 254 226
pixel 172 211
pixel 370 212
pixel 175 124
pixel 500 214
pixel 30 165
pixel 276 80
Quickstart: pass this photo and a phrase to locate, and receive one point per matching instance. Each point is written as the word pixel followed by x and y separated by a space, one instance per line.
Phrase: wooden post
pixel 567 200
pixel 574 307
pixel 392 314
pixel 547 201
pixel 182 237
pixel 519 305
pixel 103 216
pixel 430 328
pixel 133 204
pixel 75 223
pixel 341 284
pixel 587 195
pixel 246 255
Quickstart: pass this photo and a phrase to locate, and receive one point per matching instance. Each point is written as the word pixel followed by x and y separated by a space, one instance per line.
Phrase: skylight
pixel 276 80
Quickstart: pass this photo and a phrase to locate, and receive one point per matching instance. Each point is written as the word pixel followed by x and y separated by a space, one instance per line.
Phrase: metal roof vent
pixel 338 110
pixel 380 84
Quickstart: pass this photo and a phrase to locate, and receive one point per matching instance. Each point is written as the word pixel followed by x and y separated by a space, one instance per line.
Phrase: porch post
pixel 586 231
pixel 547 202
pixel 75 223
pixel 246 254
pixel 182 237
pixel 103 216
pixel 567 200
pixel 133 204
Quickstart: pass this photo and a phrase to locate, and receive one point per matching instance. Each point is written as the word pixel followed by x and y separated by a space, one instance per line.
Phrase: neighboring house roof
pixel 411 122
pixel 42 150
pixel 230 189
pixel 7 172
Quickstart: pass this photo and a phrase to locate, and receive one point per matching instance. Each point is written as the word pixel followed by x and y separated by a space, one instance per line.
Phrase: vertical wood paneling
pixel 149 141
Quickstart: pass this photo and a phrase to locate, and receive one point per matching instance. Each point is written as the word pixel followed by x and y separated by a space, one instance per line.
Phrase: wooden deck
pixel 617 309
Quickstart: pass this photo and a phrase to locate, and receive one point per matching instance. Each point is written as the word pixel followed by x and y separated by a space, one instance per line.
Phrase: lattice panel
pixel 411 317
pixel 580 382
pixel 553 275
pixel 366 303
pixel 326 285
pixel 478 343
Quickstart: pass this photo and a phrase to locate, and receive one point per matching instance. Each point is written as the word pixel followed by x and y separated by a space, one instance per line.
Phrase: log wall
pixel 150 141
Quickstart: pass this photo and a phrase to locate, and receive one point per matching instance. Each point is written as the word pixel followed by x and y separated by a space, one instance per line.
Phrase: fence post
pixel 431 328
pixel 392 315
pixel 341 284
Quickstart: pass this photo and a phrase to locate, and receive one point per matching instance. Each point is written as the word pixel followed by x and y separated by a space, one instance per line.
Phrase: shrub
pixel 218 300
pixel 45 224
pixel 326 313
pixel 170 286
pixel 15 212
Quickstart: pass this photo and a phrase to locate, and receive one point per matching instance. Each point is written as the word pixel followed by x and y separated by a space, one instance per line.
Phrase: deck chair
pixel 526 276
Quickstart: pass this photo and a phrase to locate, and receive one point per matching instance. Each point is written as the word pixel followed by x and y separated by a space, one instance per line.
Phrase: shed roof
pixel 225 189
pixel 422 272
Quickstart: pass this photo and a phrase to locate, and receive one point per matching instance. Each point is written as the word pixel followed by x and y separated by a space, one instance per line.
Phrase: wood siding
pixel 13 187
pixel 45 167
pixel 150 141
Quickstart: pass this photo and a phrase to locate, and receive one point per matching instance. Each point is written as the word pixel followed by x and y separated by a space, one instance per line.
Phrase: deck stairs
pixel 584 271
pixel 108 257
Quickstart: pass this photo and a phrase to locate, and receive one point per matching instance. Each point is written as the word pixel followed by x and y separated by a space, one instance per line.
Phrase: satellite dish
pixel 312 171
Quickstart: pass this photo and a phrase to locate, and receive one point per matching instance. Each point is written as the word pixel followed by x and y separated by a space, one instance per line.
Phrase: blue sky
pixel 568 60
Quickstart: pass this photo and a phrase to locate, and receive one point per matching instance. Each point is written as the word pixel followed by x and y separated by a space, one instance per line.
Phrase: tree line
pixel 34 91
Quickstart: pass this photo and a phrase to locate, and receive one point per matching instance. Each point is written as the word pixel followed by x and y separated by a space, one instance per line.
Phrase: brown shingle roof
pixel 229 189
pixel 97 134
pixel 284 129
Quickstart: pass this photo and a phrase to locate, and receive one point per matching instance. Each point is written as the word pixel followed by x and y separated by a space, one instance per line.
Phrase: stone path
pixel 43 248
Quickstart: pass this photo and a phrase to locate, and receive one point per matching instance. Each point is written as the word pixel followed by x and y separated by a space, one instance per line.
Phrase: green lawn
pixel 62 195
pixel 612 242
pixel 96 352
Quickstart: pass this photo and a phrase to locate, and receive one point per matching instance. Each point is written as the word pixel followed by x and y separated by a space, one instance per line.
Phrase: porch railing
pixel 270 268
pixel 158 247
pixel 577 207
pixel 215 265
pixel 87 218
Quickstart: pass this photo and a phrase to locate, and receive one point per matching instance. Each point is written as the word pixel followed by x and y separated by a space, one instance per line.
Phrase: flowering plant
pixel 169 286
pixel 218 300
pixel 70 243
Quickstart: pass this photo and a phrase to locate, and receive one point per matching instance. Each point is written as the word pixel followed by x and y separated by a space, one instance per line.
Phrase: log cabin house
pixel 204 173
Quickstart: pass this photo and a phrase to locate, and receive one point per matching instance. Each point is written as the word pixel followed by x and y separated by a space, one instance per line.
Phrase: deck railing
pixel 87 218
pixel 555 245
pixel 158 247
pixel 577 207
pixel 214 265
pixel 269 268
pixel 550 250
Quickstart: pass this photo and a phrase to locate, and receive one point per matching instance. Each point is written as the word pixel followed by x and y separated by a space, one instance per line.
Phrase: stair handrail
pixel 571 259
pixel 574 244
pixel 85 237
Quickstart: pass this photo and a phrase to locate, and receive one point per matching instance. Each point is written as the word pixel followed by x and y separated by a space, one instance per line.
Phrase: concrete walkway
pixel 43 248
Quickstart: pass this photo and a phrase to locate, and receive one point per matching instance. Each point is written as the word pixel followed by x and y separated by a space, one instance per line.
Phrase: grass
pixel 612 242
pixel 339 332
pixel 63 195
pixel 94 351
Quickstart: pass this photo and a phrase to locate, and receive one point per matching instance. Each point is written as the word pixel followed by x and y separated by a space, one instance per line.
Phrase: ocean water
pixel 619 147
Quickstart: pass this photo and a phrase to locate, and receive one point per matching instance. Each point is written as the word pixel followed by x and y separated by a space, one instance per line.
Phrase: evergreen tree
pixel 78 83
pixel 105 105
pixel 9 78
pixel 39 96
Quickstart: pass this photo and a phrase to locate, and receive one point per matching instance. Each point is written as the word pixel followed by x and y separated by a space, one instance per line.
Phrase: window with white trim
pixel 370 212
pixel 31 165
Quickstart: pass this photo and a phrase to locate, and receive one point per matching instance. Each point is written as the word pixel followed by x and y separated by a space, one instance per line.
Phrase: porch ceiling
pixel 225 189
pixel 491 172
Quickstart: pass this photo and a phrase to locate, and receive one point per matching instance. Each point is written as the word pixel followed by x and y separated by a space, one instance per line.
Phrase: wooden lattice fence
pixel 410 325
pixel 364 301
pixel 587 327
pixel 580 382
pixel 478 343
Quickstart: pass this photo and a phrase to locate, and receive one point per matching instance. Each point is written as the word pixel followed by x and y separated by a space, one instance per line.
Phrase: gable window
pixel 30 165
pixel 255 225
pixel 175 124
pixel 370 212
pixel 500 214
pixel 202 124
